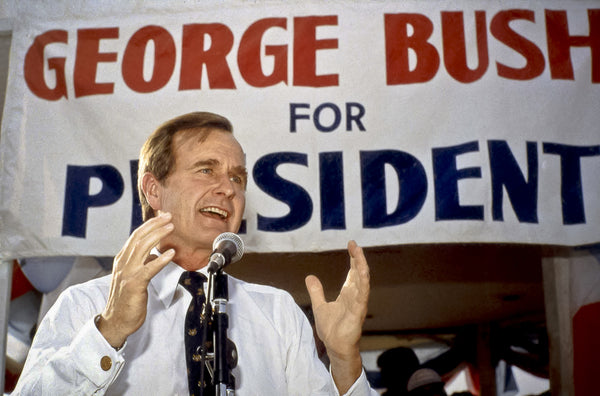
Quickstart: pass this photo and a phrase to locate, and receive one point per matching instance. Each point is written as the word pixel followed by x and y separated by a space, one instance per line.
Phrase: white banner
pixel 386 122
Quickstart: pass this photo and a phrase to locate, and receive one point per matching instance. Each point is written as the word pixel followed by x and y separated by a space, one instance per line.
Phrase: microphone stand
pixel 224 354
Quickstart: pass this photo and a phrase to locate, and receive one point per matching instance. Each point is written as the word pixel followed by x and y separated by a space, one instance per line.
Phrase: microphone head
pixel 232 242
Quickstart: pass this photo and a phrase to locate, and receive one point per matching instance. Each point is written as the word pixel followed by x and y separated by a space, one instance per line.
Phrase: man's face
pixel 205 192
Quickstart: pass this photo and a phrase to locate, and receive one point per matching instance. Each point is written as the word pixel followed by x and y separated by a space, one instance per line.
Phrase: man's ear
pixel 151 188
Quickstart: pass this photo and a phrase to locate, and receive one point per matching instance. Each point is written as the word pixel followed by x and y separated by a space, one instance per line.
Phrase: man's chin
pixel 214 232
pixel 212 229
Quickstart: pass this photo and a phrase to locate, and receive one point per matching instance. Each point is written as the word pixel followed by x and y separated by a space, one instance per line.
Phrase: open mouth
pixel 216 212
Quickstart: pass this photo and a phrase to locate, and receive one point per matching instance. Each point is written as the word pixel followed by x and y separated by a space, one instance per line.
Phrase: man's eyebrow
pixel 206 162
pixel 240 169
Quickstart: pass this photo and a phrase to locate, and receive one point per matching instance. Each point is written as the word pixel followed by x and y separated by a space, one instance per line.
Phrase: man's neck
pixel 189 259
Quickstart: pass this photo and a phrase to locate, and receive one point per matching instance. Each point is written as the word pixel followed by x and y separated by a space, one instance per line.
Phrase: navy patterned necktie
pixel 199 380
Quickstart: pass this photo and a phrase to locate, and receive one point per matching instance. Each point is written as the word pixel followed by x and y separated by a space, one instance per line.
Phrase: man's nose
pixel 226 186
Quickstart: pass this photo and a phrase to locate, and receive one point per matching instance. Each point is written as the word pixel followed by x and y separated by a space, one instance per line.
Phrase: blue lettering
pixel 506 174
pixel 411 178
pixel 78 199
pixel 332 191
pixel 571 189
pixel 136 206
pixel 446 177
pixel 297 198
pixel 354 114
pixel 351 117
pixel 337 117
pixel 295 116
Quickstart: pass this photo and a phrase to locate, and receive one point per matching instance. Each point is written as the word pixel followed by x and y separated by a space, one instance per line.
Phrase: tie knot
pixel 193 282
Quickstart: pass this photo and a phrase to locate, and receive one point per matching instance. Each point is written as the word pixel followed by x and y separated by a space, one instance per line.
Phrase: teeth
pixel 214 210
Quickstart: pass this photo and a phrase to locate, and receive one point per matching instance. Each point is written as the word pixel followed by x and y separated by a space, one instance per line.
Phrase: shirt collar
pixel 166 282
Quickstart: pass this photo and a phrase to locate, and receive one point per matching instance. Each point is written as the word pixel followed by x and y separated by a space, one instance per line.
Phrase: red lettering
pixel 454 45
pixel 560 42
pixel 249 55
pixel 87 57
pixel 410 56
pixel 397 44
pixel 33 67
pixel 500 29
pixel 194 56
pixel 133 59
pixel 306 46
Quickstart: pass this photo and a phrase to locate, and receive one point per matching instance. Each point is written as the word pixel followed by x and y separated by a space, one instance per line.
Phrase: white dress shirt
pixel 274 340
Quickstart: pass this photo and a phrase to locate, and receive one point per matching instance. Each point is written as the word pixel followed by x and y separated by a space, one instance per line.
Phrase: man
pixel 123 335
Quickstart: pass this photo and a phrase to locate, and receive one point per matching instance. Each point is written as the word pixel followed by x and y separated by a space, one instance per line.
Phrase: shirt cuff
pixel 96 358
pixel 360 387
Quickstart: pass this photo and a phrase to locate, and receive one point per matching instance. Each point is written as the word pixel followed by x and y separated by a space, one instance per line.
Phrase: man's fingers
pixel 352 248
pixel 359 265
pixel 135 259
pixel 358 260
pixel 356 253
pixel 144 246
pixel 315 291
pixel 148 226
pixel 148 236
pixel 155 264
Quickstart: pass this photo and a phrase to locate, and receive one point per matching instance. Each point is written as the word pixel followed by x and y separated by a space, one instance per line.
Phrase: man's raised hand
pixel 133 268
pixel 339 323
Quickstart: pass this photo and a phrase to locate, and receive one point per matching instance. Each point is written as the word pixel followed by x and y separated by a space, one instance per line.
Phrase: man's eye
pixel 237 179
pixel 206 171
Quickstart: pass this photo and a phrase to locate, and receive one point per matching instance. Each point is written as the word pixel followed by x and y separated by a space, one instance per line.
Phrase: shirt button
pixel 105 363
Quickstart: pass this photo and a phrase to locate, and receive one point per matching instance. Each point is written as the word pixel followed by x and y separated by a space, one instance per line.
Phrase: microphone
pixel 227 248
